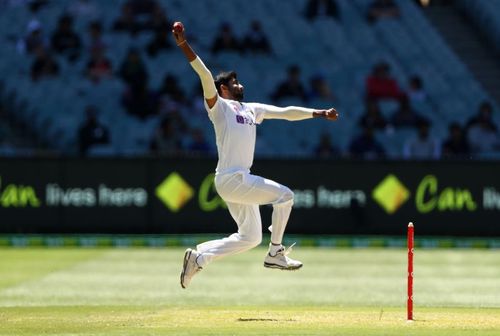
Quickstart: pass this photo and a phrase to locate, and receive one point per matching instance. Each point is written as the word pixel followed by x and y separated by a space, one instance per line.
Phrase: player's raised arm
pixel 294 113
pixel 207 81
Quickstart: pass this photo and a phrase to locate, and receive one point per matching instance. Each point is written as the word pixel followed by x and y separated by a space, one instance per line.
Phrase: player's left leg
pixel 190 267
pixel 249 235
pixel 252 189
pixel 277 256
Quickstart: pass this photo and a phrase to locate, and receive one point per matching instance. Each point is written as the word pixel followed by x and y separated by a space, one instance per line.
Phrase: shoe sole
pixel 275 266
pixel 187 254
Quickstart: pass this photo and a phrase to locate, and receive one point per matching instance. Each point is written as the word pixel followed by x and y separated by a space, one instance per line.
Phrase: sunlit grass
pixel 338 292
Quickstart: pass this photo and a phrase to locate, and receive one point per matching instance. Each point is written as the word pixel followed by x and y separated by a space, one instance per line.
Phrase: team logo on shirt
pixel 244 120
pixel 241 115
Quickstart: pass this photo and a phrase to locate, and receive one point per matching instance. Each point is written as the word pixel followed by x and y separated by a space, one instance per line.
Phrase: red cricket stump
pixel 409 306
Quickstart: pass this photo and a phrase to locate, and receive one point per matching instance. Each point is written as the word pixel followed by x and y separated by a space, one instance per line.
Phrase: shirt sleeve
pixel 217 113
pixel 259 110
pixel 291 113
pixel 207 81
pixel 215 109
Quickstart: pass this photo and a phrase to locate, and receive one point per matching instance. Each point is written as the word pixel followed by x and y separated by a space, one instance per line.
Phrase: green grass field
pixel 338 292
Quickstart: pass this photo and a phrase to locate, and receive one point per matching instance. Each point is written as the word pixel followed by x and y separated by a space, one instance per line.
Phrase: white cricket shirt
pixel 235 132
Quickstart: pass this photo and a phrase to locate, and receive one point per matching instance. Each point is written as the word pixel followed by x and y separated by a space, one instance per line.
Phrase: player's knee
pixel 253 239
pixel 286 198
pixel 256 239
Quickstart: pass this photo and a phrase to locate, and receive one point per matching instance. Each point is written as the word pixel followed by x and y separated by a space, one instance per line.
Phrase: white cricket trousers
pixel 243 193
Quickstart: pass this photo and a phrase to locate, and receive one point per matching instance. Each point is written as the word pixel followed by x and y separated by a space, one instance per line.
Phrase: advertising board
pixel 178 196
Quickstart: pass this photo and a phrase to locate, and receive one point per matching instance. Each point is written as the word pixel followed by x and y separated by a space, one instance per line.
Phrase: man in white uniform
pixel 234 123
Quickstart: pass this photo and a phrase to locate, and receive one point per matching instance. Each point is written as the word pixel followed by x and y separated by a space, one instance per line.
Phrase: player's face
pixel 235 89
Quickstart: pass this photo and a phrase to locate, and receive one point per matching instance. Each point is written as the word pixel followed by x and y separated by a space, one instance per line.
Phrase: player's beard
pixel 237 95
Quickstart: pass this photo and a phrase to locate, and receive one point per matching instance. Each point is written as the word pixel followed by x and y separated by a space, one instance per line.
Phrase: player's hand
pixel 330 114
pixel 178 32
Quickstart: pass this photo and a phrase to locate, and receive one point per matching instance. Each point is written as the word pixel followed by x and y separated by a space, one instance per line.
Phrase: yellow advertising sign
pixel 18 196
pixel 174 192
pixel 429 198
pixel 390 194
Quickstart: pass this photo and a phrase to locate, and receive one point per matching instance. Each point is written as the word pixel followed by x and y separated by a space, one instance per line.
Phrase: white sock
pixel 281 213
pixel 273 249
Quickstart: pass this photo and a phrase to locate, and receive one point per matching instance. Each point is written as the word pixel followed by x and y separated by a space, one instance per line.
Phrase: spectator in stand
pixel 98 67
pixel 158 21
pixel 196 101
pixel 319 89
pixel 291 87
pixel 143 7
pixel 426 3
pixel 405 115
pixel 126 21
pixel 44 65
pixel 175 115
pixel 325 149
pixel 140 101
pixel 160 42
pixel 33 5
pixel 382 9
pixel 423 146
pixel 255 40
pixel 373 117
pixel 85 9
pixel 95 38
pixel 171 90
pixel 321 8
pixel 483 138
pixel 365 146
pixel 166 141
pixel 36 5
pixel 484 115
pixel 92 132
pixel 226 41
pixel 133 70
pixel 65 40
pixel 416 92
pixel 456 145
pixel 380 84
pixel 33 39
pixel 198 144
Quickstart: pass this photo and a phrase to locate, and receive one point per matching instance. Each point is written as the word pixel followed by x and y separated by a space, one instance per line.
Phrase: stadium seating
pixel 344 51
pixel 486 16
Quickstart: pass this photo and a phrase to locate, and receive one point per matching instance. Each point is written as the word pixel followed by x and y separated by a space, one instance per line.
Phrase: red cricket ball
pixel 178 27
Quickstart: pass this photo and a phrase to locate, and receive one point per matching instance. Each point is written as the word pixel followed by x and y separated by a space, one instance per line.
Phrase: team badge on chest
pixel 243 117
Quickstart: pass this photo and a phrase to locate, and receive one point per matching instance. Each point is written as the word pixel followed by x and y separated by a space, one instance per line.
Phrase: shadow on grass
pixel 263 320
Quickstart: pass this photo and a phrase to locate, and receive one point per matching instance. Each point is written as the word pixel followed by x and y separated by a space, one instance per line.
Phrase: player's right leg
pixel 248 236
pixel 190 267
pixel 279 259
pixel 245 188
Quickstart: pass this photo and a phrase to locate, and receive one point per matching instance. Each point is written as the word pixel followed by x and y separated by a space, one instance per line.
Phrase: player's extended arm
pixel 293 113
pixel 207 81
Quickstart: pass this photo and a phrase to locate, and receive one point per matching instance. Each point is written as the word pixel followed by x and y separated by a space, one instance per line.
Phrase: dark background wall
pixel 178 196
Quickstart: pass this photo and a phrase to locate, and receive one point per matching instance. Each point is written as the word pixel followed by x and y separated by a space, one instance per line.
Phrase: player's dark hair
pixel 224 78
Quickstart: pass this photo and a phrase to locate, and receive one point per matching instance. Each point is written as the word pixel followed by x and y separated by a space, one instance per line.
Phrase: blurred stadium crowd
pixel 103 78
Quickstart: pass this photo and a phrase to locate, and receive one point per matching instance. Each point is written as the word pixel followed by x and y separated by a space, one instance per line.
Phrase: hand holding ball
pixel 178 32
pixel 178 27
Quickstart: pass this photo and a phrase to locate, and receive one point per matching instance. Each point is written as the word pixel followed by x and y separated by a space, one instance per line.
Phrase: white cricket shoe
pixel 281 261
pixel 190 267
